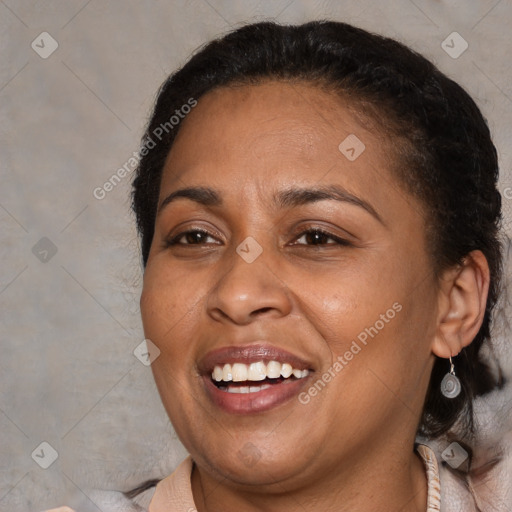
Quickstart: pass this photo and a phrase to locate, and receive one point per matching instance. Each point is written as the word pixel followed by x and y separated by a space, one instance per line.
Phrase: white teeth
pixel 241 389
pixel 257 371
pixel 247 389
pixel 286 370
pixel 240 372
pixel 217 374
pixel 226 373
pixel 273 370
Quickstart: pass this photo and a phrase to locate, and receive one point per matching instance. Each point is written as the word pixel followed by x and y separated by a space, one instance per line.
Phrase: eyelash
pixel 338 241
pixel 174 240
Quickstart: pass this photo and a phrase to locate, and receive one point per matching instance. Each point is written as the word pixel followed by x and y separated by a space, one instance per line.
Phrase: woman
pixel 319 222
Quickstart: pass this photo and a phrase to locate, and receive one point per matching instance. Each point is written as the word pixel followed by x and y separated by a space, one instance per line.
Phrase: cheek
pixel 369 319
pixel 168 299
pixel 344 302
pixel 168 304
pixel 160 309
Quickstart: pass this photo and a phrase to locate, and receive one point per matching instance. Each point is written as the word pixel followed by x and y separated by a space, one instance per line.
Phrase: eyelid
pixel 335 232
pixel 171 239
pixel 337 239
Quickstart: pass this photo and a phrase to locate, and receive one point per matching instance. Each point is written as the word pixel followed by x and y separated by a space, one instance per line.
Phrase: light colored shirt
pixel 174 493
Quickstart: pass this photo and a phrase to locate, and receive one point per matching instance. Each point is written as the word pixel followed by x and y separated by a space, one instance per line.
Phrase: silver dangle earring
pixel 450 385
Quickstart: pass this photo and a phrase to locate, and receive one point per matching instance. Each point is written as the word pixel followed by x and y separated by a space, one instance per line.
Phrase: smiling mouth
pixel 255 377
pixel 251 379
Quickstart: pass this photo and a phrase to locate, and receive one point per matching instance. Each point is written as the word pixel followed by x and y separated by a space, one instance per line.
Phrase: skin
pixel 351 446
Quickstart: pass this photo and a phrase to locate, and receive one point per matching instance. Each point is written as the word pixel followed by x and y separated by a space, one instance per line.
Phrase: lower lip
pixel 249 403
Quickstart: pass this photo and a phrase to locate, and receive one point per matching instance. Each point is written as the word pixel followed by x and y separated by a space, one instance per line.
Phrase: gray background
pixel 69 322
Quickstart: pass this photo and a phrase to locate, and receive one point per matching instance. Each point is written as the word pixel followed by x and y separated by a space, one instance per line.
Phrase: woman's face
pixel 284 240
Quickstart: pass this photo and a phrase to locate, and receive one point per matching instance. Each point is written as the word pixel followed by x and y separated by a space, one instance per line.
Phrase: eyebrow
pixel 301 196
pixel 202 195
pixel 289 198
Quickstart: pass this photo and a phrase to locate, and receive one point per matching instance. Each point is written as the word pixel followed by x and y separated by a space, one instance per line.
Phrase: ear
pixel 461 304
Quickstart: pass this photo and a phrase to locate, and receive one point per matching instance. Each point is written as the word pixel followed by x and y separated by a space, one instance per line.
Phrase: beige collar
pixel 174 493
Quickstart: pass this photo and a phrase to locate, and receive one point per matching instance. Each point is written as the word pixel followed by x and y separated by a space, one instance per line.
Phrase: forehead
pixel 276 126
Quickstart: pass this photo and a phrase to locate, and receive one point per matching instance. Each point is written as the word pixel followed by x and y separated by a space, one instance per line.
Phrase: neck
pixel 387 478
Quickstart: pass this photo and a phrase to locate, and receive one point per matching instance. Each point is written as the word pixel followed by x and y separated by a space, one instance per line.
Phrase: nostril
pixel 261 310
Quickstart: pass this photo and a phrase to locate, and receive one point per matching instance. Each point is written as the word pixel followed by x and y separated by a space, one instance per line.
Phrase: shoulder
pixel 174 493
pixel 453 485
pixel 111 501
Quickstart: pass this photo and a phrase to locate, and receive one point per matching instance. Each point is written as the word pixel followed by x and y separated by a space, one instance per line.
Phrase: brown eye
pixel 192 237
pixel 319 237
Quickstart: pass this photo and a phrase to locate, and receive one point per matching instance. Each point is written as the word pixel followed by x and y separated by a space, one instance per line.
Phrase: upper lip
pixel 248 354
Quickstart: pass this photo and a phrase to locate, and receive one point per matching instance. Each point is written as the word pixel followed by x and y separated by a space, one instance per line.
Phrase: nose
pixel 248 291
